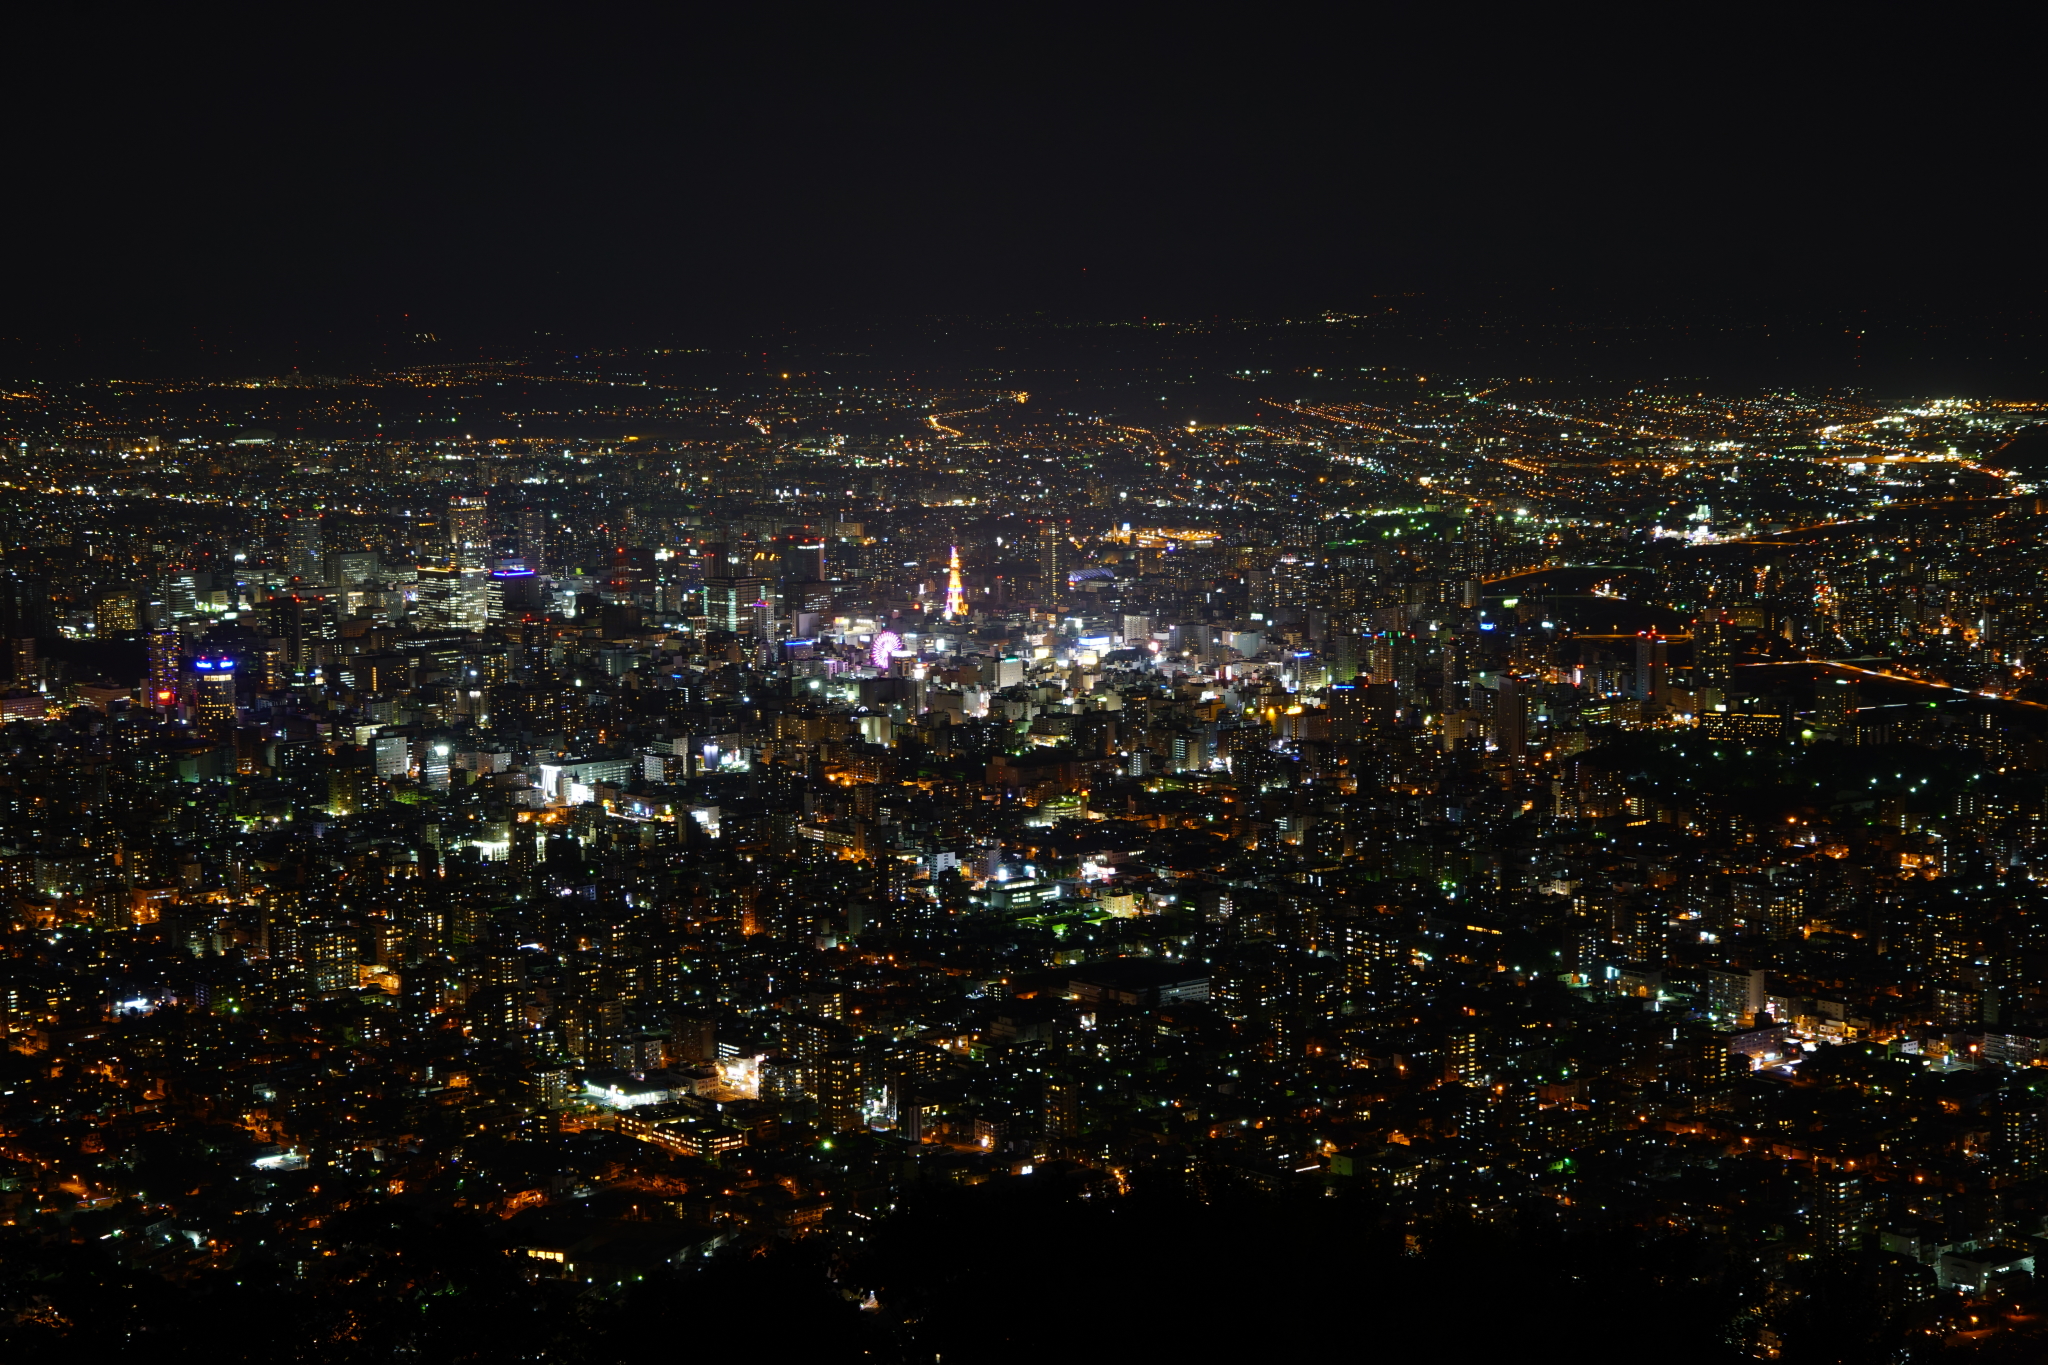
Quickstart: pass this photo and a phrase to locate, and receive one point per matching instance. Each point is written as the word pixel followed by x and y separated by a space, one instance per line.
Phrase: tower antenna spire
pixel 956 594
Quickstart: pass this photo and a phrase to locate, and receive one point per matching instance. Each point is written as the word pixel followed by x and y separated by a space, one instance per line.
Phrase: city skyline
pixel 902 687
pixel 1205 787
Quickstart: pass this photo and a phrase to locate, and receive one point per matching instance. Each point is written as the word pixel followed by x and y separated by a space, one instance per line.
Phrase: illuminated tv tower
pixel 956 596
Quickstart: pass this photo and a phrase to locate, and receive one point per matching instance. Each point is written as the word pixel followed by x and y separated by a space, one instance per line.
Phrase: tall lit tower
pixel 163 667
pixel 214 687
pixel 468 527
pixel 302 543
pixel 1052 561
pixel 956 594
pixel 533 539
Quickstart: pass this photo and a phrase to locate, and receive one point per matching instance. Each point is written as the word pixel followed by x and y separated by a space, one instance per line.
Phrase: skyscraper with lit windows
pixel 163 667
pixel 468 528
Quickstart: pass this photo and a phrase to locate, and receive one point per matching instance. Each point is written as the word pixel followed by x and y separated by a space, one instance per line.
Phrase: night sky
pixel 312 186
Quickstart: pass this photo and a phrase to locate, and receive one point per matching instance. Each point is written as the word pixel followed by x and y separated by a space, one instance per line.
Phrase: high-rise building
pixel 734 593
pixel 1835 703
pixel 1653 671
pixel 467 529
pixel 350 570
pixel 1379 657
pixel 2024 1138
pixel 332 953
pixel 1640 930
pixel 1713 646
pixel 213 685
pixel 116 615
pixel 803 559
pixel 1838 1209
pixel 533 539
pixel 631 575
pixel 1373 957
pixel 163 667
pixel 392 756
pixel 1734 997
pixel 302 545
pixel 1462 1060
pixel 1054 553
pixel 449 597
pixel 1510 720
pixel 24 605
pixel 295 623
pixel 25 669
